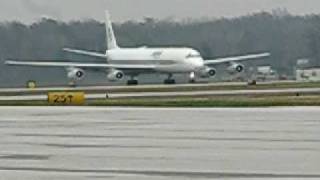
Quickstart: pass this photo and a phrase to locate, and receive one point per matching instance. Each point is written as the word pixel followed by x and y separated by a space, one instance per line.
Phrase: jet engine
pixel 76 74
pixel 208 72
pixel 115 75
pixel 235 68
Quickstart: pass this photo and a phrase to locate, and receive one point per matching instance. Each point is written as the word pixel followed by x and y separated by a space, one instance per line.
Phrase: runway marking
pixel 187 174
pixel 24 157
pixel 203 138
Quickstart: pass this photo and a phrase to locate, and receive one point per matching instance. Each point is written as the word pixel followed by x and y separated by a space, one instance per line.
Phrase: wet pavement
pixel 149 143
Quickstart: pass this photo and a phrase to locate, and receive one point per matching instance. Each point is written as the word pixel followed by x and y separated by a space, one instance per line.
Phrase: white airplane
pixel 120 62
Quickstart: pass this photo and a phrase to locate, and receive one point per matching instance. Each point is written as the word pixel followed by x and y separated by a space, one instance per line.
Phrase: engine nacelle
pixel 235 68
pixel 208 72
pixel 115 75
pixel 75 74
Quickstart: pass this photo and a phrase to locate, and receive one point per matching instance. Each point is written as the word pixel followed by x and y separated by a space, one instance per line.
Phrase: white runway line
pixel 216 92
pixel 24 98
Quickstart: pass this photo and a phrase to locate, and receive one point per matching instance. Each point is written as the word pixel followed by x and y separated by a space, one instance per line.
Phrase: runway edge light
pixel 31 84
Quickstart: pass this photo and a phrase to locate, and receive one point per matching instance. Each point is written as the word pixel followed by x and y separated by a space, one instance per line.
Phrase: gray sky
pixel 28 11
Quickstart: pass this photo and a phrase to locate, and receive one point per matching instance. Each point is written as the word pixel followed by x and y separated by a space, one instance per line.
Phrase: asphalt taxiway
pixel 146 143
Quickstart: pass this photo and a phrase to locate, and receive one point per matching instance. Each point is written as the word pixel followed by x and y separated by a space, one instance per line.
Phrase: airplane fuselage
pixel 166 60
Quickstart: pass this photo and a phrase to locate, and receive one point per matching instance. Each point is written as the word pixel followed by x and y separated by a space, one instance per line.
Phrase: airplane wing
pixel 86 53
pixel 236 58
pixel 80 65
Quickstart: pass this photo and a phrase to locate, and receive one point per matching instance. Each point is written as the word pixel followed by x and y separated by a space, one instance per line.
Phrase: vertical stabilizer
pixel 111 39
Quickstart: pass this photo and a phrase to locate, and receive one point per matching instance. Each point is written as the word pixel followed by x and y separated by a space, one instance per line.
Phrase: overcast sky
pixel 28 11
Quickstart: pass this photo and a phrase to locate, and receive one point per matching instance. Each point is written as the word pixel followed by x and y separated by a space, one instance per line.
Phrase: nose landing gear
pixel 132 81
pixel 192 77
pixel 170 80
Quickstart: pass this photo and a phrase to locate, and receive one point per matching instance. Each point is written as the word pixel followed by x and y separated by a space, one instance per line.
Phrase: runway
pixel 112 88
pixel 146 143
pixel 107 95
pixel 102 89
pixel 106 88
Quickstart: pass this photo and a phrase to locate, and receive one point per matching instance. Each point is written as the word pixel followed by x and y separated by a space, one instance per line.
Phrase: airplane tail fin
pixel 110 37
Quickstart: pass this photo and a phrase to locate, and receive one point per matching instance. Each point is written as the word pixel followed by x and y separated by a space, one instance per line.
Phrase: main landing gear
pixel 170 80
pixel 132 82
pixel 72 84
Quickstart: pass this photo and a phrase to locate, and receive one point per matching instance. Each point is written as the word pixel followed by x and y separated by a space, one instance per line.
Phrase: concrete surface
pixel 81 143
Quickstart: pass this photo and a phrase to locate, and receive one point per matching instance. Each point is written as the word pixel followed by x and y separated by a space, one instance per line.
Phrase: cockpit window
pixel 193 55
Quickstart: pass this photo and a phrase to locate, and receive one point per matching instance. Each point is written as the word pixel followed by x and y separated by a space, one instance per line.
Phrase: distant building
pixel 303 63
pixel 265 73
pixel 308 74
